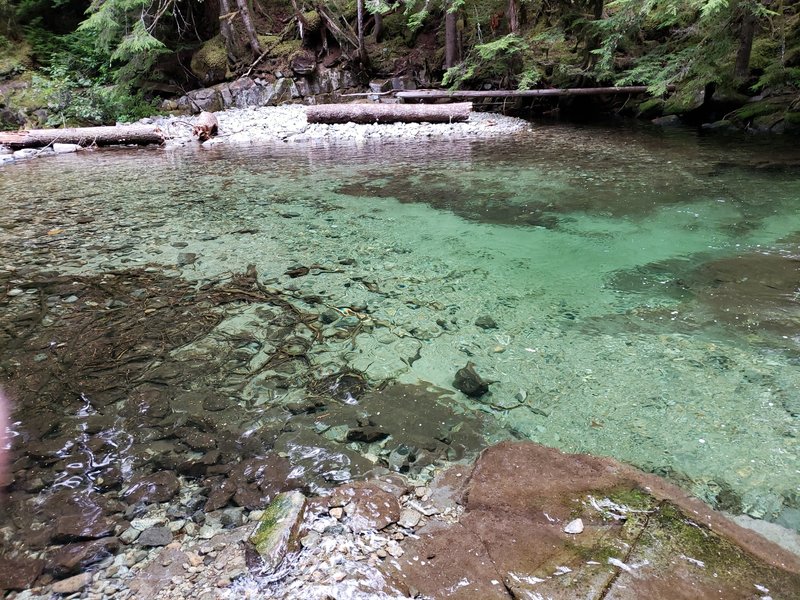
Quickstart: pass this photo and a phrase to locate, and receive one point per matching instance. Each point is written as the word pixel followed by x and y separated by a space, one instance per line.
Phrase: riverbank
pixel 287 123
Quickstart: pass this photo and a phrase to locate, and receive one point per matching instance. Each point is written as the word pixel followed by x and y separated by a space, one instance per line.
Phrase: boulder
pixel 19 573
pixel 210 62
pixel 368 507
pixel 158 487
pixel 638 536
pixel 76 557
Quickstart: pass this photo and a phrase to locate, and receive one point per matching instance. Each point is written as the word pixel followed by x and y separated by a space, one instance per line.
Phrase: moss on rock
pixel 210 62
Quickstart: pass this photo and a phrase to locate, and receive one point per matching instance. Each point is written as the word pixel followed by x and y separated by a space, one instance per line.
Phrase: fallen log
pixel 598 91
pixel 389 113
pixel 139 135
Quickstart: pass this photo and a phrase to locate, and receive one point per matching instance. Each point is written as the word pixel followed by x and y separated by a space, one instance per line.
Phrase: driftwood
pixel 389 113
pixel 438 94
pixel 139 135
pixel 205 126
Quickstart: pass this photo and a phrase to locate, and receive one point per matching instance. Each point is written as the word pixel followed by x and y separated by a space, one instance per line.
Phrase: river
pixel 627 292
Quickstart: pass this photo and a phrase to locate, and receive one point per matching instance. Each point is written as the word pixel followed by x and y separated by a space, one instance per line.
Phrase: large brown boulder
pixel 638 536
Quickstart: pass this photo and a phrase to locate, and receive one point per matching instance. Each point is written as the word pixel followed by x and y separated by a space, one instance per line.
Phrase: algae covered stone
pixel 276 532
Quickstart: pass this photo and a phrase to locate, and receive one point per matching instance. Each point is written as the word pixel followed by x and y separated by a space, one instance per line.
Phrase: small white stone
pixel 65 148
pixel 574 527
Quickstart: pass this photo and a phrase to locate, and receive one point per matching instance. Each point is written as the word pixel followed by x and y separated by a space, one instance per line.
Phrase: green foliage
pixel 74 102
pixel 502 48
pixel 489 60
pixel 529 78
pixel 76 82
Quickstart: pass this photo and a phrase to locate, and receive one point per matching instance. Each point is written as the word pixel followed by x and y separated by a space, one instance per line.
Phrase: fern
pixel 501 48
pixel 138 41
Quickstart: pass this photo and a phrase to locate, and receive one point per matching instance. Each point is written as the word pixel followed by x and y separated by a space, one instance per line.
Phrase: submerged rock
pixel 468 381
pixel 19 573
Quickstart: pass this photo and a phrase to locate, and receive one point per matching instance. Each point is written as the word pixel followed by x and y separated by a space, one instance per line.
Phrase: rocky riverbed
pixel 522 522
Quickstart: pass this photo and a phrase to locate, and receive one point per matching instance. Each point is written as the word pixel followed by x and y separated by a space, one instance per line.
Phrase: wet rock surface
pixel 642 538
pixel 494 528
pixel 152 453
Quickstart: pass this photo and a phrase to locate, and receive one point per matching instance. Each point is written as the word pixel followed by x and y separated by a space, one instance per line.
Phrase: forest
pixel 89 62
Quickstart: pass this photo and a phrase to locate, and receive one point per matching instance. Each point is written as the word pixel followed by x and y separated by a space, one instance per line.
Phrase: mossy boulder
pixel 651 108
pixel 313 20
pixel 277 48
pixel 210 62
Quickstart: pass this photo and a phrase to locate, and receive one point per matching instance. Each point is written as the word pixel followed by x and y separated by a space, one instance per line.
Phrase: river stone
pixel 155 536
pixel 72 585
pixel 468 381
pixel 76 557
pixel 277 532
pixel 220 495
pixel 485 322
pixel 19 573
pixel 367 506
pixel 82 526
pixel 65 148
pixel 158 487
pixel 186 258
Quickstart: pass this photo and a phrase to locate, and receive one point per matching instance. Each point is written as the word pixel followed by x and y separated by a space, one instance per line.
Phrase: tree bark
pixel 389 113
pixel 362 48
pixel 512 12
pixel 450 39
pixel 140 135
pixel 225 29
pixel 247 19
pixel 746 34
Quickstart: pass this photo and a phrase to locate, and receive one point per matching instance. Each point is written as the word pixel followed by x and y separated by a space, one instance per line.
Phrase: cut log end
pixel 388 113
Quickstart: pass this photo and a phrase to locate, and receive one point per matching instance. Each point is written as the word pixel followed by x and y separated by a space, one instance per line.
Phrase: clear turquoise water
pixel 645 286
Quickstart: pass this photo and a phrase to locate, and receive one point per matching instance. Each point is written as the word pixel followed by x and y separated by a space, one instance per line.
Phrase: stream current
pixel 628 293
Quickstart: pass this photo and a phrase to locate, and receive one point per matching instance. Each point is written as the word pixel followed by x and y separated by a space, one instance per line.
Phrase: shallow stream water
pixel 643 293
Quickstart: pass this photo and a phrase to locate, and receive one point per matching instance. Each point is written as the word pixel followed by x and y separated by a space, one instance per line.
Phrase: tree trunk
pixel 389 113
pixel 225 29
pixel 512 12
pixel 362 49
pixel 301 21
pixel 247 19
pixel 450 39
pixel 598 9
pixel 746 34
pixel 85 136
